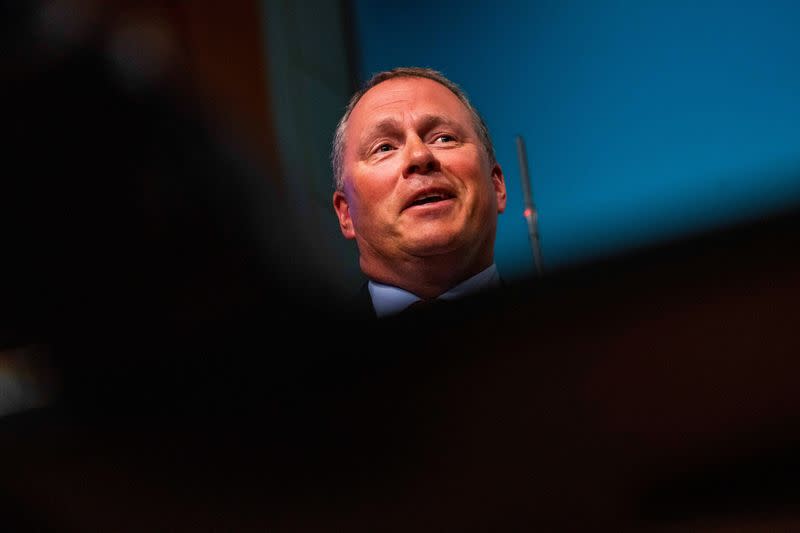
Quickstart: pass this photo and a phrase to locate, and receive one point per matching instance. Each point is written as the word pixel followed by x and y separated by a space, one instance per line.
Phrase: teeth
pixel 433 197
pixel 426 199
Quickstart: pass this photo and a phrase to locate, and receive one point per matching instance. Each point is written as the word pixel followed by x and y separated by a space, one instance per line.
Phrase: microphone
pixel 530 213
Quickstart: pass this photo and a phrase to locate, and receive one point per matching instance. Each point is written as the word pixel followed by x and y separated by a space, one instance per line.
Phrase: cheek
pixel 470 165
pixel 372 200
pixel 476 178
pixel 376 186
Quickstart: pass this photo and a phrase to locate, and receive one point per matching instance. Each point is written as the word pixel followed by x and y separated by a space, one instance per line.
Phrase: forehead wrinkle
pixel 423 123
pixel 431 120
pixel 382 127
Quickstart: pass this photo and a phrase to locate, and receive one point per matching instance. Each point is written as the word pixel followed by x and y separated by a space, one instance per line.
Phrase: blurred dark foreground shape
pixel 205 378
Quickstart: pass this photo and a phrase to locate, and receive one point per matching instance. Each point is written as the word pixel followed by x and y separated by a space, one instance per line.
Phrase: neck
pixel 427 277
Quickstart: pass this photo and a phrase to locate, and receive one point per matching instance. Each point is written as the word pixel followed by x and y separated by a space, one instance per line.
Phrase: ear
pixel 342 208
pixel 499 183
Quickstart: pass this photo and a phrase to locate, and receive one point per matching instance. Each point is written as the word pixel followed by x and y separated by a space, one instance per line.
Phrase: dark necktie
pixel 424 305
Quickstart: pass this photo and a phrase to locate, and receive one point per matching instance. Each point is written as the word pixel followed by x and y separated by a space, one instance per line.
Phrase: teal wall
pixel 644 121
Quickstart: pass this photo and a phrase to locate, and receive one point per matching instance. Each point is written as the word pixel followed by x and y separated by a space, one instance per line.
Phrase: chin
pixel 434 244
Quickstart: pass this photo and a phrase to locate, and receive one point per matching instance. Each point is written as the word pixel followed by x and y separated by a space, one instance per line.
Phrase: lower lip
pixel 432 207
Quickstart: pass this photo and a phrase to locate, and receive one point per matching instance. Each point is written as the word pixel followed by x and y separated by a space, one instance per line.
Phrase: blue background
pixel 644 121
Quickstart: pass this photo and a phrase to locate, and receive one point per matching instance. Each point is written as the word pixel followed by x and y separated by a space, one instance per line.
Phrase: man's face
pixel 417 179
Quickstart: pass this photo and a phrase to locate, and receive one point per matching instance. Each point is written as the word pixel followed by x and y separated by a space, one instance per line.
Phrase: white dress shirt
pixel 388 300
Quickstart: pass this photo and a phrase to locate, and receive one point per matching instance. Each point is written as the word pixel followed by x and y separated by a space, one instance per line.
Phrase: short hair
pixel 337 151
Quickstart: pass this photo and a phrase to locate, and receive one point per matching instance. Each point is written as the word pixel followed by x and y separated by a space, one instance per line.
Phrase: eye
pixel 384 147
pixel 444 138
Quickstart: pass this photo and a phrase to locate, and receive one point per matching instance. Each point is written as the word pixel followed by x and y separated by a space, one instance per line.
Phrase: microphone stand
pixel 530 213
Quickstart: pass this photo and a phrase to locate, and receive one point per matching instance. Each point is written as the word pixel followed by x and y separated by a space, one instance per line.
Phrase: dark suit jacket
pixel 360 305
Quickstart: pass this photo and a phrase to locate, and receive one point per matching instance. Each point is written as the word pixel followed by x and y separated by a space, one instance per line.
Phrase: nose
pixel 419 158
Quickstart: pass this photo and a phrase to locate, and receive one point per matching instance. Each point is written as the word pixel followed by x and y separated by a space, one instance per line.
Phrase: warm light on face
pixel 410 140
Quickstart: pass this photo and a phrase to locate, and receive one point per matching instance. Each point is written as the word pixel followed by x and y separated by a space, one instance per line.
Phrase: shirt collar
pixel 388 300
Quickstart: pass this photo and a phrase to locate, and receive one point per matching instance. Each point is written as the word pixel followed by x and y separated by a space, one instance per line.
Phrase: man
pixel 418 188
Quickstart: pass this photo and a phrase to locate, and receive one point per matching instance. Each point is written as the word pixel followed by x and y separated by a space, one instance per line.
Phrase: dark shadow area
pixel 123 210
pixel 759 484
pixel 207 380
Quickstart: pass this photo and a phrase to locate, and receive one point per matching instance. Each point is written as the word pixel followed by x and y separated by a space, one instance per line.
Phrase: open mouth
pixel 430 197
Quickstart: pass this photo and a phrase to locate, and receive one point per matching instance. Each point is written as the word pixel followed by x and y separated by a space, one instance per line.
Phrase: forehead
pixel 401 98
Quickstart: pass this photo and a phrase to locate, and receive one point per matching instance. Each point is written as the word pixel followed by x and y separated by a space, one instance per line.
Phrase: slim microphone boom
pixel 530 213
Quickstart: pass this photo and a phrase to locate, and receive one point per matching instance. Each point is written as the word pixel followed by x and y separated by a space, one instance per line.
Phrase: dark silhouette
pixel 208 382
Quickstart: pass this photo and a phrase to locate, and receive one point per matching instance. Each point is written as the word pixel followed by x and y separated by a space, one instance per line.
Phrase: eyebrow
pixel 390 125
pixel 384 127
